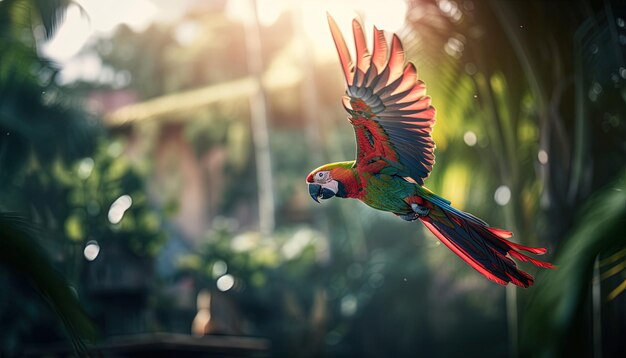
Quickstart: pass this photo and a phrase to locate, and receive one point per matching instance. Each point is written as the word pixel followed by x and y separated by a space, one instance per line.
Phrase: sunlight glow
pixel 239 10
pixel 456 178
pixel 70 36
pixel 87 67
pixel 388 16
pixel 187 32
pixel 98 18
pixel 270 10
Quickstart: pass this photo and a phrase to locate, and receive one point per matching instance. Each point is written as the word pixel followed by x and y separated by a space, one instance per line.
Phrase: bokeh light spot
pixel 470 138
pixel 118 208
pixel 502 195
pixel 349 305
pixel 454 47
pixel 542 156
pixel 225 283
pixel 115 149
pixel 219 268
pixel 85 167
pixel 470 68
pixel 92 249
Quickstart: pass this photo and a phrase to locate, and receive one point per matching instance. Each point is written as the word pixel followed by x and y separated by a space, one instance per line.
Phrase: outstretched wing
pixel 388 106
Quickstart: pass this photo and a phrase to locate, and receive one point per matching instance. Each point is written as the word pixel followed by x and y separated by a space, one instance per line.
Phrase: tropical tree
pixel 39 129
pixel 544 112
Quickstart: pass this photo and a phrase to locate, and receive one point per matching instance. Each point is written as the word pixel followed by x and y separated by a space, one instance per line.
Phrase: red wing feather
pixel 363 58
pixel 391 115
pixel 344 55
pixel 379 56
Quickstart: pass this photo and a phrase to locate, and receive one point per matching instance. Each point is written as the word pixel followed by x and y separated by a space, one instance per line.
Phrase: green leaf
pixel 558 298
pixel 22 255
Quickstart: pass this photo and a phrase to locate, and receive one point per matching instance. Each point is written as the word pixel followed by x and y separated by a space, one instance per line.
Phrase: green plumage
pixel 386 192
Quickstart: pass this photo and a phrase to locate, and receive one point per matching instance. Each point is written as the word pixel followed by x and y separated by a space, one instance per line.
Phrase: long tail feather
pixel 482 247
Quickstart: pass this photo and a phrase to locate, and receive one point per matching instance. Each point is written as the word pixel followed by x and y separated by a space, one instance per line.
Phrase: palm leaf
pixel 617 290
pixel 20 14
pixel 617 268
pixel 559 297
pixel 21 254
pixel 51 14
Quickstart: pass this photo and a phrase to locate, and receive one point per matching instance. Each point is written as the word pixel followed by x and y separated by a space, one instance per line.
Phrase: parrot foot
pixel 418 212
pixel 409 217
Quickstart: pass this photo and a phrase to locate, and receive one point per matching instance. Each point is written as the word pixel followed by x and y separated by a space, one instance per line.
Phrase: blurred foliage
pixel 44 133
pixel 33 109
pixel 76 205
pixel 20 252
pixel 252 258
pixel 341 280
pixel 276 279
pixel 506 99
pixel 546 104
pixel 93 185
pixel 160 60
pixel 561 295
pixel 38 127
pixel 313 296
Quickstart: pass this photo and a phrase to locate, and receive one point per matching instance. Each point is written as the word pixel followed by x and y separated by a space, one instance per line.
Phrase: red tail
pixel 484 248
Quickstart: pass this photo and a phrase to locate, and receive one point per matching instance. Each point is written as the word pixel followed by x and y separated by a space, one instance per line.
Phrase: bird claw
pixel 418 212
pixel 409 217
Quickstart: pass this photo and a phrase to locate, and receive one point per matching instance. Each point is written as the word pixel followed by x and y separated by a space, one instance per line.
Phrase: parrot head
pixel 326 181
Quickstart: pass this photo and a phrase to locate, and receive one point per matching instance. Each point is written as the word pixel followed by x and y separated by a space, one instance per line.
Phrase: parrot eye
pixel 321 176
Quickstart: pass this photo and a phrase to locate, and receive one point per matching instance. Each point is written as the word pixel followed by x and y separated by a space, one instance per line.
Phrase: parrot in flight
pixel 393 119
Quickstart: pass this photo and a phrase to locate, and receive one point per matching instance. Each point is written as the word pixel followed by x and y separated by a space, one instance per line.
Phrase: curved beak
pixel 317 191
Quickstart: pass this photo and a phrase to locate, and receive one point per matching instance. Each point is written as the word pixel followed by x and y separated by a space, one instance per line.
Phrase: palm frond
pixel 559 297
pixel 617 290
pixel 21 254
pixel 51 14
pixel 617 268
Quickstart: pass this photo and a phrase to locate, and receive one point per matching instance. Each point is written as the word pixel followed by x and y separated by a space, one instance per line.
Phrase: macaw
pixel 393 119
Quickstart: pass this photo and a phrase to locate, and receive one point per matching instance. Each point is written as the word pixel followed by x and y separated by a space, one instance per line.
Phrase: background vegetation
pixel 114 217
